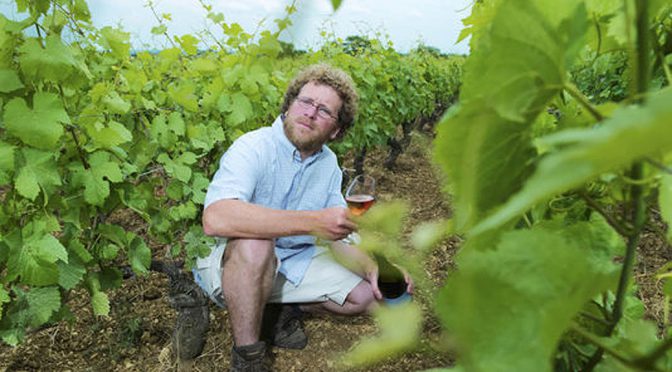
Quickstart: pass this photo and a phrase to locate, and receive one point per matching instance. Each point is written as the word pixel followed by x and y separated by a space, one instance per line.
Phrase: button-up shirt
pixel 263 167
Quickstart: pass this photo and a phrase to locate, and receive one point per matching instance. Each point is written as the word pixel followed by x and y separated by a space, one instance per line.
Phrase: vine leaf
pixel 70 274
pixel 528 288
pixel 39 170
pixel 100 303
pixel 56 62
pixel 166 131
pixel 99 300
pixel 184 95
pixel 34 259
pixel 41 126
pixel 239 107
pixel 96 180
pixel 484 145
pixel 400 327
pixel 117 41
pixel 108 136
pixel 43 303
pixel 9 81
pixel 180 166
pixel 188 43
pixel 587 153
pixel 139 255
pixel 336 4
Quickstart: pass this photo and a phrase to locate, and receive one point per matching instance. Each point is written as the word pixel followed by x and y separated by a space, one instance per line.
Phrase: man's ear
pixel 334 134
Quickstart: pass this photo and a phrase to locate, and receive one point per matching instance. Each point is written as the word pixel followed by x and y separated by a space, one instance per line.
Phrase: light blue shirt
pixel 263 167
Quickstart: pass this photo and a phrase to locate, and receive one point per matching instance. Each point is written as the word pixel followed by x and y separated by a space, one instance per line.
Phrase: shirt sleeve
pixel 335 198
pixel 237 175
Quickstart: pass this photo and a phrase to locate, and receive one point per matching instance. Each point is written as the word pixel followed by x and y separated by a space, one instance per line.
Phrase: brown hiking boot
pixel 283 326
pixel 193 314
pixel 250 358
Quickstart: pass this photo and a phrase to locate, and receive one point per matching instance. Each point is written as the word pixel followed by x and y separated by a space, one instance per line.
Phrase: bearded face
pixel 311 120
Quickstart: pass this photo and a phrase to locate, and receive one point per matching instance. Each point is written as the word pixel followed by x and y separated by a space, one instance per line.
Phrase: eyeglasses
pixel 322 111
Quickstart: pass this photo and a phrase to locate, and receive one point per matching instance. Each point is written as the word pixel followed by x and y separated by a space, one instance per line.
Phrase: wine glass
pixel 360 194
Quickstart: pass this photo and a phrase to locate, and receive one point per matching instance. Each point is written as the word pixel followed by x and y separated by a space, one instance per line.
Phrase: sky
pixel 434 23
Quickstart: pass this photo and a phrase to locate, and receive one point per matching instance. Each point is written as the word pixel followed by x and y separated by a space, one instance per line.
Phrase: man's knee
pixel 361 299
pixel 251 253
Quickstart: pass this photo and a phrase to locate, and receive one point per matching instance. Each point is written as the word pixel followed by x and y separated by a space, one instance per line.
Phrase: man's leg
pixel 248 271
pixel 359 301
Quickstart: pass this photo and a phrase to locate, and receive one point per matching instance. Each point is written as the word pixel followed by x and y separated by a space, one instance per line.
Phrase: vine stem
pixel 583 100
pixel 613 222
pixel 603 346
pixel 638 217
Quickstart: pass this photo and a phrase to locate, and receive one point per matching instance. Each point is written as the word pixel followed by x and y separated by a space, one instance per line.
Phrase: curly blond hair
pixel 337 79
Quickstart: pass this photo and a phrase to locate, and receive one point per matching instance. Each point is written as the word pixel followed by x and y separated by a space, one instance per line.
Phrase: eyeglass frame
pixel 322 110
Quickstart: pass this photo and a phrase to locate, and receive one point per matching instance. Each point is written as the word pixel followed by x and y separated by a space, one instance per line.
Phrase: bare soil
pixel 136 335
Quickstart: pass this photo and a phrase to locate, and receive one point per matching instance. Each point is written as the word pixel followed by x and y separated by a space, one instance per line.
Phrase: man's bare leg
pixel 359 301
pixel 247 280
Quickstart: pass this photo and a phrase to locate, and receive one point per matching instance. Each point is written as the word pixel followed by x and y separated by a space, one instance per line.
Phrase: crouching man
pixel 277 189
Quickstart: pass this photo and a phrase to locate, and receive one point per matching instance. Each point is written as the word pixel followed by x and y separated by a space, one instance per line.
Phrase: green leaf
pixel 665 201
pixel 108 252
pixel 159 30
pixel 239 107
pixel 184 95
pixel 6 156
pixel 140 256
pixel 39 171
pixel 34 261
pixel 587 153
pixel 80 250
pixel 117 41
pixel 9 81
pixel 484 145
pixel 529 287
pixel 485 157
pixel 70 274
pixel 55 62
pixel 184 211
pixel 176 123
pixel 97 179
pixel 108 136
pixel 205 137
pixel 188 43
pixel 400 328
pixel 41 126
pixel 336 4
pixel 428 234
pixel 43 303
pixel 115 104
pixel 179 167
pixel 532 51
pixel 204 66
pixel 100 303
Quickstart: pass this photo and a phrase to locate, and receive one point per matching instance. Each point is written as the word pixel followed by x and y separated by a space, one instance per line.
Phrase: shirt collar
pixel 287 146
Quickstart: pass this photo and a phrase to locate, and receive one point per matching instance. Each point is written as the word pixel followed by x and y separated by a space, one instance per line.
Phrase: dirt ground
pixel 136 335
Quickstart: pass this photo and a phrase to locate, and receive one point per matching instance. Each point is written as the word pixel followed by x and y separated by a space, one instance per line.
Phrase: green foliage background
pixel 91 132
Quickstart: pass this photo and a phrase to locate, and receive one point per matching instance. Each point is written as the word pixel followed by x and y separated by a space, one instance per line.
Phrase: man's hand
pixel 334 223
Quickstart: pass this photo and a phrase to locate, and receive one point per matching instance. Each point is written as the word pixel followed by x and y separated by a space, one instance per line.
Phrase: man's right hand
pixel 334 223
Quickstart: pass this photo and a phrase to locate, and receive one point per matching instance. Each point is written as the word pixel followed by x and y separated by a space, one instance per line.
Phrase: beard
pixel 308 140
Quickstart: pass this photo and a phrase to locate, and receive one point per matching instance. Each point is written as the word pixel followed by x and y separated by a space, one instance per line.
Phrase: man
pixel 277 189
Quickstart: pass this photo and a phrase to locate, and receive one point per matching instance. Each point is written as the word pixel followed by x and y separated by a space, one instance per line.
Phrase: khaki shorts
pixel 324 280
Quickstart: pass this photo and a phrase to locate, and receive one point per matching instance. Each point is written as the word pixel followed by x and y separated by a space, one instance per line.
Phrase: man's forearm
pixel 353 258
pixel 239 219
